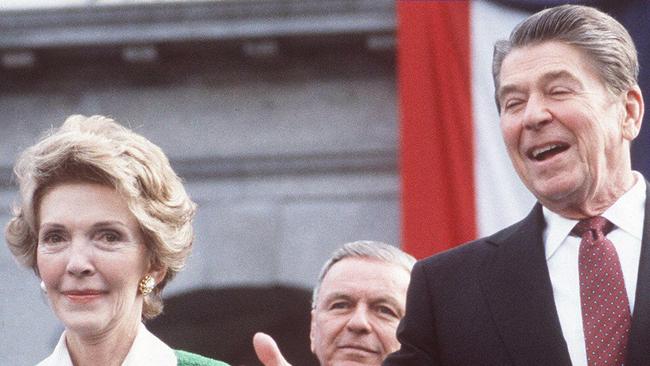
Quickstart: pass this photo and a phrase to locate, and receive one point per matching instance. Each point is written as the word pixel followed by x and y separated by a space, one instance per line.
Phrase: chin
pixel 83 322
pixel 82 327
pixel 555 190
pixel 355 363
pixel 356 360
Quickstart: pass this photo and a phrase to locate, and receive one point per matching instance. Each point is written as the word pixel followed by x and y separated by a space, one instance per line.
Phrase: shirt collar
pixel 60 355
pixel 627 214
pixel 147 350
pixel 557 229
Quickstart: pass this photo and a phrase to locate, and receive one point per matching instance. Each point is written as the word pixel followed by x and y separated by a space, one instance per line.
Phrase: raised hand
pixel 267 350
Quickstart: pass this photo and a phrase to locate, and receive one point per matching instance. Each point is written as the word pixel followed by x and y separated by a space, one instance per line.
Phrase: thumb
pixel 267 350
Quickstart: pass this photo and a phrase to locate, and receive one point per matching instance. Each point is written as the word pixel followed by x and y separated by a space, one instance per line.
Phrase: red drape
pixel 436 152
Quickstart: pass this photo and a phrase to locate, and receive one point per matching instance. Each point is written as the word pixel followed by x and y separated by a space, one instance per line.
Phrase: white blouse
pixel 146 350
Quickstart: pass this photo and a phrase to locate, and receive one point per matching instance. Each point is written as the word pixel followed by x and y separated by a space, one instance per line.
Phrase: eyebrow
pixel 376 300
pixel 50 226
pixel 109 223
pixel 560 75
pixel 545 79
pixel 96 225
pixel 338 295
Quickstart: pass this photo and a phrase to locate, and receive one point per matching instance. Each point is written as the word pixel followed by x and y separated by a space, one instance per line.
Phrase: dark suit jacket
pixel 490 302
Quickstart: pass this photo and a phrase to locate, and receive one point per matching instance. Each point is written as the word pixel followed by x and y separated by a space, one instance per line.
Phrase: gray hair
pixel 364 249
pixel 605 42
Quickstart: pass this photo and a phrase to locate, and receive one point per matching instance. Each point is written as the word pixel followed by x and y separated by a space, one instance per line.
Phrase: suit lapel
pixel 519 294
pixel 639 343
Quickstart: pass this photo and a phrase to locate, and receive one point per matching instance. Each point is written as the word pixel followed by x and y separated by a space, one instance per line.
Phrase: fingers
pixel 267 350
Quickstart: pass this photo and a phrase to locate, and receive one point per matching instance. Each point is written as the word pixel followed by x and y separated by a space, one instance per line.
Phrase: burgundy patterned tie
pixel 605 307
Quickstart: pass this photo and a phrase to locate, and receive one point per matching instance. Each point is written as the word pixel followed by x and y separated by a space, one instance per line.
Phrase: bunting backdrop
pixel 457 180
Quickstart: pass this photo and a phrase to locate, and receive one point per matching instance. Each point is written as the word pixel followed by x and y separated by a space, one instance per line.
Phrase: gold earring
pixel 146 285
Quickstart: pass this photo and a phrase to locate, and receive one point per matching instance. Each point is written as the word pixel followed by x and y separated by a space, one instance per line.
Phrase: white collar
pixel 146 350
pixel 627 214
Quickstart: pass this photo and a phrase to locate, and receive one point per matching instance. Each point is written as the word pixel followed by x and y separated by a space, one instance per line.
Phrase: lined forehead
pixel 363 275
pixel 543 63
pixel 546 78
pixel 360 266
pixel 58 201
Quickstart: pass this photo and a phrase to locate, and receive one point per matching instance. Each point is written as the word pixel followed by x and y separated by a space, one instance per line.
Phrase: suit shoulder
pixel 472 252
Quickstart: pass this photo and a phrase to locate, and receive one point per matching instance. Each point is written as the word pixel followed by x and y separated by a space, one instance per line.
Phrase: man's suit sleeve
pixel 416 331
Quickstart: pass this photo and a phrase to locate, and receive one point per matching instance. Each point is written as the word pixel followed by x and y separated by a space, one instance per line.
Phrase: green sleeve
pixel 191 359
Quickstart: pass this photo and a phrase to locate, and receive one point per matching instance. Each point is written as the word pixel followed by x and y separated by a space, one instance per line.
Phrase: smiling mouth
pixel 82 297
pixel 357 349
pixel 546 152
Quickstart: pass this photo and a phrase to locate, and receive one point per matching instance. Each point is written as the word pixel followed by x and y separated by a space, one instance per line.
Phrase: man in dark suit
pixel 570 283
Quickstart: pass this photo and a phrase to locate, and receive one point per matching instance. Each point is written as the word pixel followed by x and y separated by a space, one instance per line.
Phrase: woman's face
pixel 91 257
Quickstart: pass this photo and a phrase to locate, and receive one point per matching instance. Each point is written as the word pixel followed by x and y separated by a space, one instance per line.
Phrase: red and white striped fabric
pixel 457 180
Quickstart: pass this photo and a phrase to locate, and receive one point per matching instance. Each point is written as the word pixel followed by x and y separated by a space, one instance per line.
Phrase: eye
pixel 387 310
pixel 108 236
pixel 339 305
pixel 52 238
pixel 560 90
pixel 512 103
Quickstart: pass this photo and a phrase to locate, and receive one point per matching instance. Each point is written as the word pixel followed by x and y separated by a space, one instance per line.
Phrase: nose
pixel 536 114
pixel 359 321
pixel 80 261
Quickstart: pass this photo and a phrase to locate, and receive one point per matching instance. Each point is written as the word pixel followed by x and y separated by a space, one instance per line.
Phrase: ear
pixel 633 113
pixel 157 273
pixel 312 327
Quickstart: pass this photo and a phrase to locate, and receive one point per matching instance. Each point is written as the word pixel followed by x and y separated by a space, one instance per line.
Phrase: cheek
pixel 125 282
pixel 586 125
pixel 591 143
pixel 614 136
pixel 388 337
pixel 510 132
pixel 327 329
pixel 127 268
pixel 49 268
pixel 316 336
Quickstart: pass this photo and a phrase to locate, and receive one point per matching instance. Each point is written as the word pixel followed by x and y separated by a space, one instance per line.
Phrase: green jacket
pixel 191 359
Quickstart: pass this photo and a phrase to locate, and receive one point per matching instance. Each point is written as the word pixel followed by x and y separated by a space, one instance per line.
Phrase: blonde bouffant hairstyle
pixel 97 149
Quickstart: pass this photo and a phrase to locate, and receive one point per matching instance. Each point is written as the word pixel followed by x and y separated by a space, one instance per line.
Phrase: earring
pixel 43 288
pixel 146 285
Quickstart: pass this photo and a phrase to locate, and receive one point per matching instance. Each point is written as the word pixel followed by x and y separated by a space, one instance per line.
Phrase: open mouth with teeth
pixel 547 152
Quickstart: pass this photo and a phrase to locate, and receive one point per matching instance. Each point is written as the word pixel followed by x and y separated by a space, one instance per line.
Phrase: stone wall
pixel 288 156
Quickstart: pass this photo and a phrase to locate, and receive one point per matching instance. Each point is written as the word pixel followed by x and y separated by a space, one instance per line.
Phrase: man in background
pixel 357 305
pixel 570 283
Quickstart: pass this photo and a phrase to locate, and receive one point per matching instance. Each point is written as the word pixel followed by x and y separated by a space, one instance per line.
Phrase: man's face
pixel 359 305
pixel 566 134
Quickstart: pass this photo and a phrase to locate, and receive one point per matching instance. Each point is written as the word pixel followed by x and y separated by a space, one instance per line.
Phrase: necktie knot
pixel 598 226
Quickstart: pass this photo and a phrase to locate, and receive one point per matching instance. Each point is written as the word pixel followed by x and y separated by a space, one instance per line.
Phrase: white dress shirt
pixel 147 350
pixel 627 215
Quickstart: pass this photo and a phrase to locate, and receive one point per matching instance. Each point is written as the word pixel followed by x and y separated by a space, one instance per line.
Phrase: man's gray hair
pixel 604 41
pixel 364 249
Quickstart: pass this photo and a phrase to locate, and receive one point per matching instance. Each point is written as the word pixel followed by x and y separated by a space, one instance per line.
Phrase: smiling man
pixel 357 305
pixel 570 283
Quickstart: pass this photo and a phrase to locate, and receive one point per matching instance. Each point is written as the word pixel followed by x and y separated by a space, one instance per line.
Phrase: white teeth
pixel 541 150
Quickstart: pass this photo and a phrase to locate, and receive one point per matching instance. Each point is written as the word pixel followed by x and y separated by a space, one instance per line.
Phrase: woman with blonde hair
pixel 105 223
